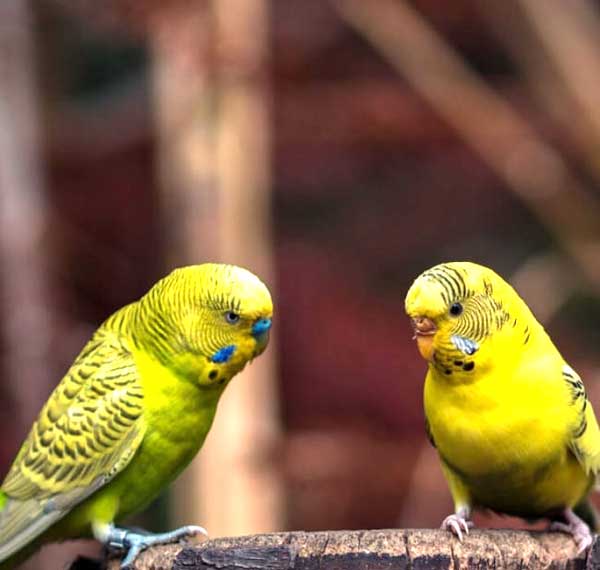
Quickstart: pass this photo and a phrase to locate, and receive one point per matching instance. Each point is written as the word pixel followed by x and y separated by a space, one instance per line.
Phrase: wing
pixel 87 432
pixel 585 438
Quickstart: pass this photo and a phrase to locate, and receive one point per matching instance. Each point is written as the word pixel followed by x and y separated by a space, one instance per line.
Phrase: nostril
pixel 261 326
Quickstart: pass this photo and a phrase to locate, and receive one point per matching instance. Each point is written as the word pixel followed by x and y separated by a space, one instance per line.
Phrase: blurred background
pixel 335 148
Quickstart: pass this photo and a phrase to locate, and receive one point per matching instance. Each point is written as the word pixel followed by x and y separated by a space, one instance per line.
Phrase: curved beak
pixel 425 330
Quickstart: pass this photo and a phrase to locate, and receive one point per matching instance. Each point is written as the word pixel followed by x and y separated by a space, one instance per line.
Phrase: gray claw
pixel 457 524
pixel 133 552
pixel 455 529
pixel 190 531
pixel 133 543
pixel 576 528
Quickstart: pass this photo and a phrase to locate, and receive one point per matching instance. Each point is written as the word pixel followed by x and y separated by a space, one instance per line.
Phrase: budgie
pixel 511 421
pixel 132 411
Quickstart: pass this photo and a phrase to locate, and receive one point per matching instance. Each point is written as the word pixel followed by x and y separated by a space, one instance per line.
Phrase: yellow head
pixel 458 311
pixel 207 321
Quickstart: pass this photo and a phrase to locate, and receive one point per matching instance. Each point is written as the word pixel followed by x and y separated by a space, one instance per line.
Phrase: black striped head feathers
pixel 455 307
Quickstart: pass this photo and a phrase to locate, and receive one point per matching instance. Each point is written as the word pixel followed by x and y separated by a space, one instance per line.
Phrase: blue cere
pixel 224 354
pixel 464 344
pixel 261 326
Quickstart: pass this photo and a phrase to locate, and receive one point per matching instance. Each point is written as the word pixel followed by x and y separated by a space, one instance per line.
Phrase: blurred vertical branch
pixel 184 109
pixel 212 117
pixel 531 169
pixel 242 491
pixel 24 283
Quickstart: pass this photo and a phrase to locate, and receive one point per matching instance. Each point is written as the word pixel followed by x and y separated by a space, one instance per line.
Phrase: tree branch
pixel 373 549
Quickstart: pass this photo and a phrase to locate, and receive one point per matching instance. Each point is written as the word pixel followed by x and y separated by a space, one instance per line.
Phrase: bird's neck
pixel 153 333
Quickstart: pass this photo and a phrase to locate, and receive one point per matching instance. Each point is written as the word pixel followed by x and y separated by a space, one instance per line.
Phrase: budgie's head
pixel 215 318
pixel 458 310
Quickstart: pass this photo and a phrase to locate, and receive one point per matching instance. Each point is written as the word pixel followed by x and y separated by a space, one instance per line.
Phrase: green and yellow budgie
pixel 132 411
pixel 509 417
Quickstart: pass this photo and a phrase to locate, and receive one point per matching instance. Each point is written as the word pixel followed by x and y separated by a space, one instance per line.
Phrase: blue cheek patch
pixel 224 354
pixel 465 345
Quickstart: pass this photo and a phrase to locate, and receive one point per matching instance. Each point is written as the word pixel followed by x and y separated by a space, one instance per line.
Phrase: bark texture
pixel 369 550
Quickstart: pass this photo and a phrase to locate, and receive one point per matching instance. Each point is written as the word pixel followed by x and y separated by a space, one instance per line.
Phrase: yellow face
pixel 455 309
pixel 222 316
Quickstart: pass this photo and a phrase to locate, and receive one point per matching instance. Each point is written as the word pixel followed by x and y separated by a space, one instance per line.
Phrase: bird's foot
pixel 458 523
pixel 133 543
pixel 574 526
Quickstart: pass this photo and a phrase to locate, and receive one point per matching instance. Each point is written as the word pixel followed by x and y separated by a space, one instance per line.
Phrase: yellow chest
pixel 177 417
pixel 177 413
pixel 499 422
pixel 506 437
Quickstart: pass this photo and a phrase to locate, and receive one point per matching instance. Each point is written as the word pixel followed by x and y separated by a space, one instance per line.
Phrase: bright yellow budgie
pixel 509 417
pixel 132 411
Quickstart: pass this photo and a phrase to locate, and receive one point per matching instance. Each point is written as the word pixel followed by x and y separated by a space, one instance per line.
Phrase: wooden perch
pixel 372 549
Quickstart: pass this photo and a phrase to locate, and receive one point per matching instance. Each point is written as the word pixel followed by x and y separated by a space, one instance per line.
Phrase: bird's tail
pixel 586 511
pixel 19 556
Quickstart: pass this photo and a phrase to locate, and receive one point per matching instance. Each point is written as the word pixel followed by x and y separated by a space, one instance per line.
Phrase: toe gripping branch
pixel 133 543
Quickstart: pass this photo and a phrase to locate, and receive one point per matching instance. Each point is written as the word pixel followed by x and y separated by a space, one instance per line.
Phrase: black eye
pixel 231 317
pixel 456 309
